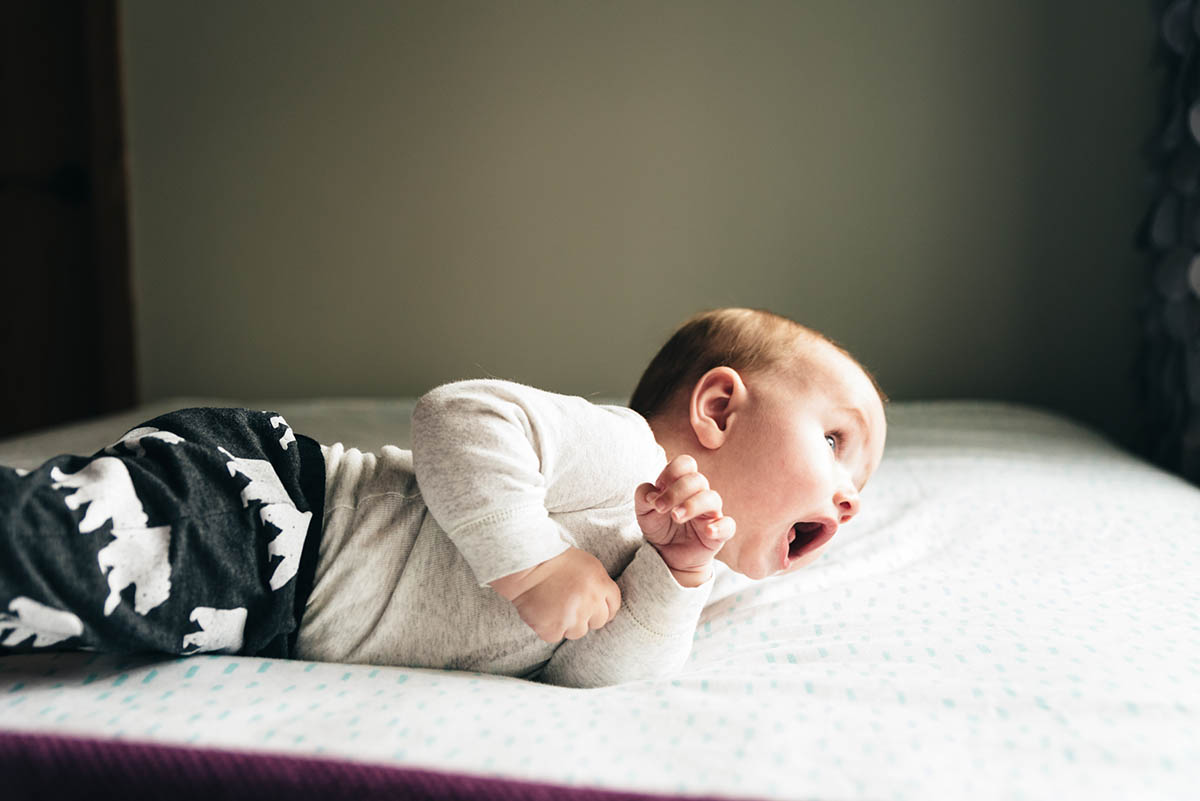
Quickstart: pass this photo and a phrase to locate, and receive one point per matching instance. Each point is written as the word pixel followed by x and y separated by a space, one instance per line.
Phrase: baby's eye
pixel 834 439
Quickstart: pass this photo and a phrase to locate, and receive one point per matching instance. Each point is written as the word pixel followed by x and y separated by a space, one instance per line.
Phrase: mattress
pixel 1014 614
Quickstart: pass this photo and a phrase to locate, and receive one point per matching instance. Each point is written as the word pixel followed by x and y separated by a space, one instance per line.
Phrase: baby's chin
pixel 755 570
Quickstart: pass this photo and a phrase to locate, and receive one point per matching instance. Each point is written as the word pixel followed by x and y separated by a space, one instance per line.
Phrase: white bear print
pixel 137 556
pixel 133 440
pixel 277 510
pixel 104 485
pixel 292 525
pixel 220 630
pixel 45 624
pixel 264 483
pixel 288 436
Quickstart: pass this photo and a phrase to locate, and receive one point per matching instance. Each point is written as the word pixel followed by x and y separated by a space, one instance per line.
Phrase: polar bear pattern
pixel 264 483
pixel 133 439
pixel 292 525
pixel 278 510
pixel 220 630
pixel 137 556
pixel 45 624
pixel 288 436
pixel 104 485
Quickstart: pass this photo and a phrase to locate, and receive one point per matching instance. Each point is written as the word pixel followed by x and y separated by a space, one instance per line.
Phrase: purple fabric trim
pixel 50 766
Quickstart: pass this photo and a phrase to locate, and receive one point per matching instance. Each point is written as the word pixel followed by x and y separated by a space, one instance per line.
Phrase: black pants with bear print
pixel 197 531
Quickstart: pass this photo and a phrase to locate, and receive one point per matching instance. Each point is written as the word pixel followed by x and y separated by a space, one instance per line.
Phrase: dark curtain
pixel 1170 237
pixel 66 306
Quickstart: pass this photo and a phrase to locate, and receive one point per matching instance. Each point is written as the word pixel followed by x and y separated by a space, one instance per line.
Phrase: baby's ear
pixel 715 399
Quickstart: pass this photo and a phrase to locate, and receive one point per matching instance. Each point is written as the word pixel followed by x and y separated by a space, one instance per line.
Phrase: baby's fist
pixel 563 597
pixel 681 516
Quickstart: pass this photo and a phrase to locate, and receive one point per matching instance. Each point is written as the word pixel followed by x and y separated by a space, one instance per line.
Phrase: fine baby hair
pixel 748 340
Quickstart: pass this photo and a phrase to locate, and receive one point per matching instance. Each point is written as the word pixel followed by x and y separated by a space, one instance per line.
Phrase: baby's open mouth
pixel 806 536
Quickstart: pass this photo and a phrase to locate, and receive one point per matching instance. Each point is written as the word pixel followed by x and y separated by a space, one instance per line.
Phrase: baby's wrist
pixel 687 562
pixel 692 577
pixel 690 568
pixel 513 586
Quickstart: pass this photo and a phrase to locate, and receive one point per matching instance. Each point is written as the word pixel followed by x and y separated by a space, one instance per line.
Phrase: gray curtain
pixel 1170 237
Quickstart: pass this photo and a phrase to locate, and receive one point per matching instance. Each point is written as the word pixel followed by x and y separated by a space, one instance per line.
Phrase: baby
pixel 520 521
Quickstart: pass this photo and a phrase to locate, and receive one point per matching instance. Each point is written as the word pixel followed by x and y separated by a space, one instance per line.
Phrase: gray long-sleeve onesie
pixel 501 477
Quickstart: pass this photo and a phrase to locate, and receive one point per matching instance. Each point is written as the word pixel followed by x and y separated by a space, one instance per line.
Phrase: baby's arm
pixel 664 588
pixel 650 637
pixel 493 459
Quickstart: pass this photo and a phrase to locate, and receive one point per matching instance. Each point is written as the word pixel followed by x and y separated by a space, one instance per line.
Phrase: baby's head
pixel 784 423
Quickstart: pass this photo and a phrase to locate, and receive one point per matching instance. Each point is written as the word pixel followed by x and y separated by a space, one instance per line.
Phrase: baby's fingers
pixel 718 532
pixel 604 609
pixel 676 469
pixel 643 498
pixel 705 503
pixel 613 600
pixel 672 500
pixel 577 629
pixel 600 616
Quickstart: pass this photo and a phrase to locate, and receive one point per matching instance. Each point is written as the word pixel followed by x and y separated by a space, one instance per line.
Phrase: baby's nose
pixel 847 506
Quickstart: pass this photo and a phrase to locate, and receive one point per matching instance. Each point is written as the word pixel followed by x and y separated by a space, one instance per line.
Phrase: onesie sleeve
pixel 493 459
pixel 650 636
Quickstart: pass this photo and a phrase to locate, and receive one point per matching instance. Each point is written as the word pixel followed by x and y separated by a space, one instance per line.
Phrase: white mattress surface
pixel 1015 614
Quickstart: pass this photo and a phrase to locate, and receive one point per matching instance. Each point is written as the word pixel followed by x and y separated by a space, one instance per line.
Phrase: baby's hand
pixel 681 516
pixel 565 596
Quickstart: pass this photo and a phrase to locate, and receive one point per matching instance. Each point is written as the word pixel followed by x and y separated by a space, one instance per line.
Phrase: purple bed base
pixel 38 766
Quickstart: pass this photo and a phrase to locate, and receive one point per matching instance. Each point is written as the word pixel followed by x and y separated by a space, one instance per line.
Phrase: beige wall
pixel 370 198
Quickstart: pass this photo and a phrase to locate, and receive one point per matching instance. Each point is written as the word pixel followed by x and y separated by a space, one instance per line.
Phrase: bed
pixel 1015 614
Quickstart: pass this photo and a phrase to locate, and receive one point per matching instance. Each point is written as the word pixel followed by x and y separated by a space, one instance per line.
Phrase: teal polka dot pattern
pixel 1014 615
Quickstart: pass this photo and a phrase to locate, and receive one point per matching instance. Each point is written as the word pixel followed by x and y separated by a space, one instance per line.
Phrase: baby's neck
pixel 670 438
